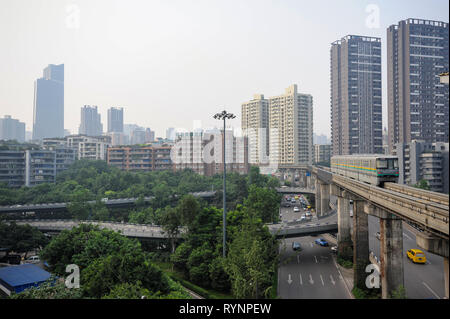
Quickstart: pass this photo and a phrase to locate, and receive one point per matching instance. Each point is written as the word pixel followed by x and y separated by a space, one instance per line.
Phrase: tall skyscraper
pixel 115 120
pixel 171 134
pixel 255 125
pixel 356 119
pixel 291 128
pixel 48 109
pixel 90 124
pixel 12 129
pixel 418 107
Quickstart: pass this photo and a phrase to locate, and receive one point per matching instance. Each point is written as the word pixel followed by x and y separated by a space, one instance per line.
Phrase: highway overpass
pixel 110 203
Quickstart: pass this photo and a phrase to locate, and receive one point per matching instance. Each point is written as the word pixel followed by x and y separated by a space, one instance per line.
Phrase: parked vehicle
pixel 296 209
pixel 322 242
pixel 296 246
pixel 378 235
pixel 32 260
pixel 13 259
pixel 334 249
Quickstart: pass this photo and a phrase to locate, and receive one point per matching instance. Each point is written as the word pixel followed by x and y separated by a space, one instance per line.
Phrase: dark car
pixel 12 259
pixel 296 246
pixel 322 242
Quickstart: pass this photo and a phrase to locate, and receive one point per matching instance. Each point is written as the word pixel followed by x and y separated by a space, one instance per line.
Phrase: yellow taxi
pixel 417 256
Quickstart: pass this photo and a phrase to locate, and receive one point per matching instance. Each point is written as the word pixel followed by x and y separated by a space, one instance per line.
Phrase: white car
pixel 32 260
pixel 308 214
pixel 296 209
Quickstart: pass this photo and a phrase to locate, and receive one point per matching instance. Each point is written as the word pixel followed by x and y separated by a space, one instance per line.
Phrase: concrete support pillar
pixel 308 182
pixel 325 198
pixel 360 244
pixel 302 179
pixel 292 172
pixel 446 276
pixel 318 199
pixel 391 255
pixel 344 239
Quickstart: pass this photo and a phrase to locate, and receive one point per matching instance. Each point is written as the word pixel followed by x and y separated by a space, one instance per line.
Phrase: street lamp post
pixel 223 116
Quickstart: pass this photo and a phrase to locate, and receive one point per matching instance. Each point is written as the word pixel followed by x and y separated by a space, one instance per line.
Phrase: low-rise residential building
pixel 33 166
pixel 140 158
pixel 12 167
pixel 89 147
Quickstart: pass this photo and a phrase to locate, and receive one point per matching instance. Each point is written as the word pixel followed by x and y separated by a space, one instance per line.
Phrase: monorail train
pixel 374 169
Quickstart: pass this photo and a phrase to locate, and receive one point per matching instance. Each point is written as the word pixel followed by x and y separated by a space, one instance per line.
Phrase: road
pixel 311 273
pixel 421 281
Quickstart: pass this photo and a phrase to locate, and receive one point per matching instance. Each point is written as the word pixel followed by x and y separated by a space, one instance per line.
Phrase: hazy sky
pixel 171 62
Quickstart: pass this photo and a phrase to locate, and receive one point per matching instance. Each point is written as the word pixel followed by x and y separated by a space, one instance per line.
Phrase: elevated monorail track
pixel 433 197
pixel 432 215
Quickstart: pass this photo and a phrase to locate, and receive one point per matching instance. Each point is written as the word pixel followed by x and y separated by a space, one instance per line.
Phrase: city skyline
pixel 186 78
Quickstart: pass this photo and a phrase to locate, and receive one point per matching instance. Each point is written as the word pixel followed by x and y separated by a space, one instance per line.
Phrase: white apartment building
pixel 255 125
pixel 89 147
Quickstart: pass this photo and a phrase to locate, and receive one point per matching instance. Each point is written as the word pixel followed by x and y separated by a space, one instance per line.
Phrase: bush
pixel 344 263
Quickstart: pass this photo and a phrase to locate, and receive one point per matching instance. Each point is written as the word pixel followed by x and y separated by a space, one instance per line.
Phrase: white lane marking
pixel 301 281
pixel 321 279
pixel 407 236
pixel 311 281
pixel 289 279
pixel 315 258
pixel 431 290
pixel 332 280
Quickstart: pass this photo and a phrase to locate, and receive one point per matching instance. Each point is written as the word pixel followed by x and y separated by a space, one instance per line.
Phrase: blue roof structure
pixel 21 277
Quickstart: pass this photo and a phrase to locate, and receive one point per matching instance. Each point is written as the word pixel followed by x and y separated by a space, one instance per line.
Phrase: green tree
pixel 198 264
pixel 263 203
pixel 21 238
pixel 423 184
pixel 170 223
pixel 187 208
pixel 217 274
pixel 250 263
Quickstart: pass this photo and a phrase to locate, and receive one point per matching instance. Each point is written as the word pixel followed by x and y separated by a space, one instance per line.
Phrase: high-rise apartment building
pixel 12 129
pixel 291 128
pixel 48 109
pixel 115 120
pixel 418 105
pixel 356 117
pixel 171 134
pixel 322 153
pixel 255 125
pixel 90 123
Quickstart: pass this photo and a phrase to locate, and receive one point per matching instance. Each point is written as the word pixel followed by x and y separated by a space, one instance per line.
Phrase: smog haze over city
pixel 169 63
